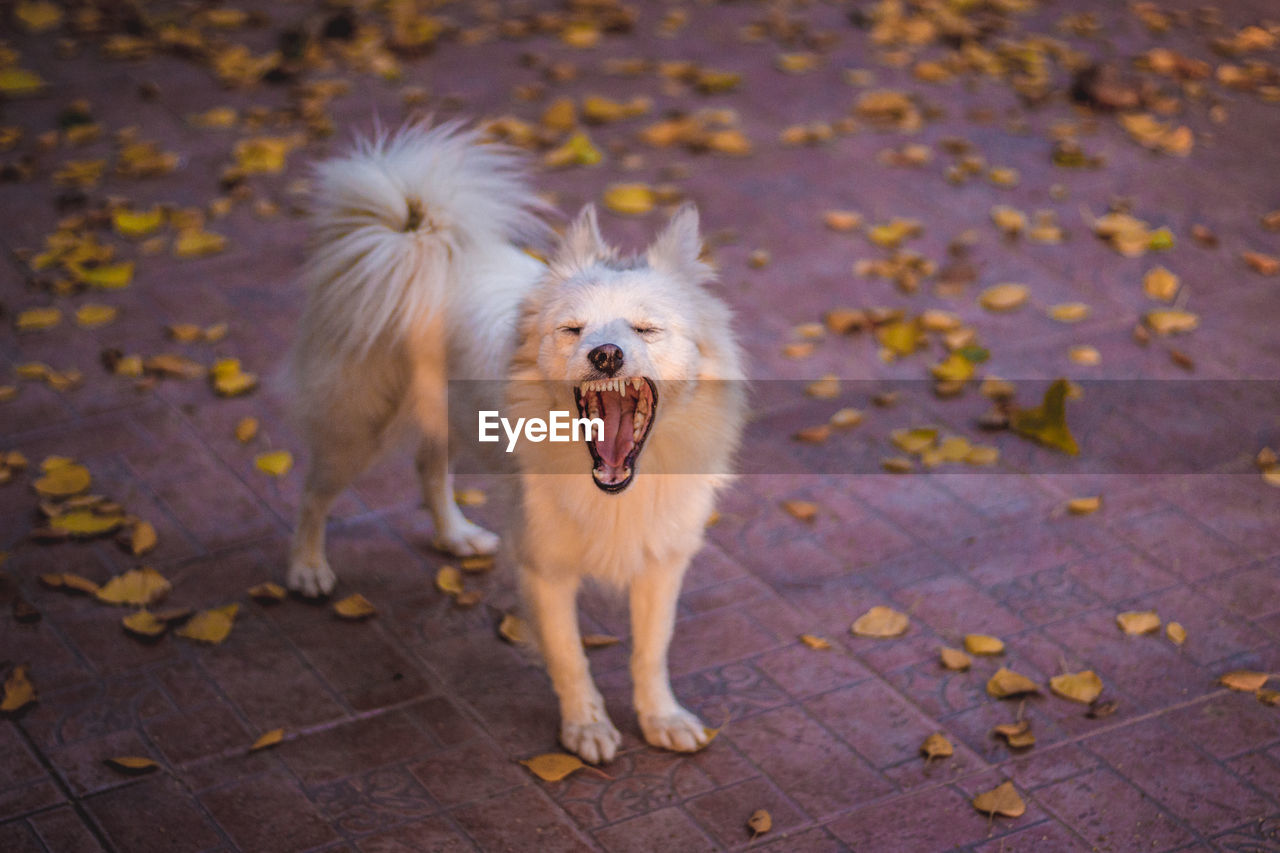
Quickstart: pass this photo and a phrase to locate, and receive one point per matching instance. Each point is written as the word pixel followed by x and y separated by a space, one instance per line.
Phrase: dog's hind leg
pixel 585 727
pixel 453 532
pixel 653 614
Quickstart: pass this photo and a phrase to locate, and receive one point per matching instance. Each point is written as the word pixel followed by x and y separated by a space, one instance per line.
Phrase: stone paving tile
pixel 403 732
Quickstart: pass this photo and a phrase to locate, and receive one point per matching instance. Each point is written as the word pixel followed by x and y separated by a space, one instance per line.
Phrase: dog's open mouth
pixel 627 407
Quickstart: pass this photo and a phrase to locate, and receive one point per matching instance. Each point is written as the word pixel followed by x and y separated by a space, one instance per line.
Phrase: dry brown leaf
pixel 937 746
pixel 246 429
pixel 1176 633
pixel 136 587
pixel 477 563
pixel 1082 687
pixel 805 511
pixel 1136 622
pixel 354 607
pixel 823 389
pixel 842 220
pixel 1160 284
pixel 954 659
pixel 553 766
pixel 1004 297
pixel 514 630
pixel 882 622
pixel 131 764
pixel 759 823
pixel 983 644
pixel 1084 506
pixel 449 580
pixel 1244 680
pixel 599 641
pixel 815 642
pixel 1262 264
pixel 139 538
pixel 210 626
pixel 1017 735
pixel 845 418
pixel 268 592
pixel 1171 321
pixel 1006 683
pixel 267 739
pixel 1002 800
pixel 1269 697
pixel 1069 312
pixel 814 434
pixel 19 691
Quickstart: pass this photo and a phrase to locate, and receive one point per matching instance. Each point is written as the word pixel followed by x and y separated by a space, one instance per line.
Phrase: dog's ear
pixel 581 245
pixel 676 250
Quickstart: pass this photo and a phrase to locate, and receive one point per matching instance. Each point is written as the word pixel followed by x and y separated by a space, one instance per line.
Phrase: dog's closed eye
pixel 575 331
pixel 646 331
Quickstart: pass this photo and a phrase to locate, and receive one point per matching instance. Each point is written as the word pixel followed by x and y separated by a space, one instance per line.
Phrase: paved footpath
pixel 962 144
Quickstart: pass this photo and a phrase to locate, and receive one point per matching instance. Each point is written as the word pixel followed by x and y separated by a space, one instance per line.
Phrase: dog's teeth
pixel 637 383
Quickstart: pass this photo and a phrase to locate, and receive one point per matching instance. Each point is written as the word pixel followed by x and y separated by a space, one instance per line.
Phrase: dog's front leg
pixel 585 727
pixel 653 616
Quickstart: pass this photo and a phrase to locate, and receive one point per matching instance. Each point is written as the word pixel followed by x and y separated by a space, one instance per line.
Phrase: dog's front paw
pixel 312 579
pixel 466 540
pixel 678 730
pixel 594 742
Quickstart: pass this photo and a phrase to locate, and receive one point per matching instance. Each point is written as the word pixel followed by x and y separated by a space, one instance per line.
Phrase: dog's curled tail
pixel 394 224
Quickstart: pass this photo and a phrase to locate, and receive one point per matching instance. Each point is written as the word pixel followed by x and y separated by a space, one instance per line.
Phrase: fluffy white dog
pixel 416 279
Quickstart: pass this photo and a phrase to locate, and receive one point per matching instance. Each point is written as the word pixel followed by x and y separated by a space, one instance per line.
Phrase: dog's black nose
pixel 607 358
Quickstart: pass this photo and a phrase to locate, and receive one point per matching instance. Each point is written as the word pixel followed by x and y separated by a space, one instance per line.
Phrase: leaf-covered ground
pixel 1003 574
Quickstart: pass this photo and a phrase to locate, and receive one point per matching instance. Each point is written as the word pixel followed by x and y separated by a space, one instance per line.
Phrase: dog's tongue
pixel 619 428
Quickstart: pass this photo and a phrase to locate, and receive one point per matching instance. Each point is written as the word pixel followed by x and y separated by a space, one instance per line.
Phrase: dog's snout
pixel 607 358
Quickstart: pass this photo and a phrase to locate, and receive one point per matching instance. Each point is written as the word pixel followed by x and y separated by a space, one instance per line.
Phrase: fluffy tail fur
pixel 394 224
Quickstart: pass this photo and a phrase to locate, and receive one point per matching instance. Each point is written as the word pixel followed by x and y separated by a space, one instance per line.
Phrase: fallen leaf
pixel 38 15
pixel 62 480
pixel 1084 506
pixel 197 243
pixel 106 276
pixel 138 538
pixel 1069 312
pixel 801 510
pixel 1082 686
pixel 229 379
pixel 470 497
pixel 514 630
pixel 16 82
pixel 449 580
pixel 1244 680
pixel 90 316
pixel 1017 735
pixel 1047 423
pixel 1176 633
pixel 1101 708
pixel 131 764
pixel 354 606
pixel 553 766
pixel 983 644
pixel 143 623
pixel 1006 683
pixel 210 626
pixel 1002 800
pixel 1171 321
pixel 937 746
pixel 1269 697
pixel 267 739
pixel 38 319
pixel 246 429
pixel 1135 622
pixel 268 592
pixel 1085 354
pixel 954 659
pixel 814 434
pixel 274 462
pixel 477 563
pixel 845 418
pixel 815 642
pixel 136 587
pixel 85 524
pixel 1004 297
pixel 1160 284
pixel 599 641
pixel 823 389
pixel 629 199
pixel 1262 264
pixel 759 823
pixel 18 690
pixel 137 223
pixel 842 220
pixel 69 582
pixel 881 622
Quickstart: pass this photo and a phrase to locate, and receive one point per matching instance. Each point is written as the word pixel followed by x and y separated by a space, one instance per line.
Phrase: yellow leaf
pixel 268 591
pixel 38 319
pixel 1170 321
pixel 954 659
pixel 63 481
pixel 354 606
pixel 449 580
pixel 1269 697
pixel 217 118
pixel 759 823
pixel 982 454
pixel 842 220
pixel 514 630
pixel 1006 683
pixel 262 154
pixel 210 626
pixel 553 766
pixel 1244 680
pixel 936 745
pixel 38 15
pixel 137 223
pixel 477 563
pixel 69 582
pixel 823 389
pixel 107 276
pixel 846 418
pixel 1176 633
pixel 1018 735
pixel 1004 297
pixel 246 429
pixel 814 434
pixel 580 35
pixel 85 523
pixel 577 150
pixel 143 623
pixel 196 243
pixel 267 739
pixel 470 497
pixel 1084 506
pixel 1136 622
pixel 91 315
pixel 18 690
pixel 1077 686
pixel 882 622
pixel 131 764
pixel 1085 354
pixel 797 63
pixel 801 510
pixel 274 462
pixel 19 81
pixel 1047 423
pixel 629 199
pixel 954 368
pixel 1003 800
pixel 229 380
pixel 982 644
pixel 1160 284
pixel 902 337
pixel 915 440
pixel 137 587
pixel 815 642
pixel 561 115
pixel 140 538
pixel 1069 312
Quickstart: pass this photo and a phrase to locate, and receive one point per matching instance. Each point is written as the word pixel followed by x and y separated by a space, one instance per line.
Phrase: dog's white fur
pixel 415 279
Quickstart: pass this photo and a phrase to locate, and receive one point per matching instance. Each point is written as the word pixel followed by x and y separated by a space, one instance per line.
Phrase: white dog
pixel 415 279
